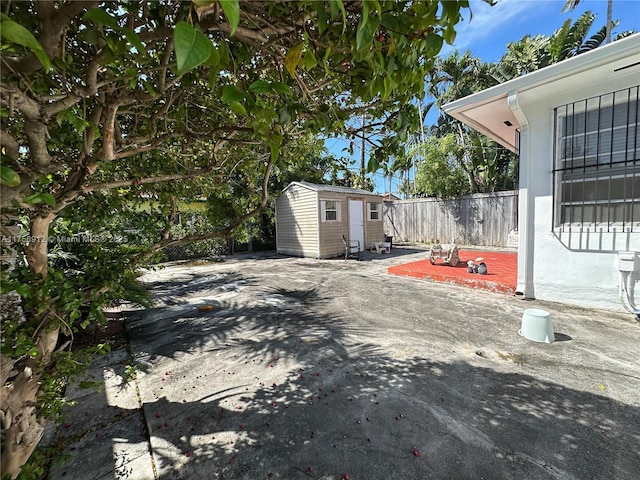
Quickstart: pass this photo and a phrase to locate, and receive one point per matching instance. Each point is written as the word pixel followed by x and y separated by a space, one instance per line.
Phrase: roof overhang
pixel 496 111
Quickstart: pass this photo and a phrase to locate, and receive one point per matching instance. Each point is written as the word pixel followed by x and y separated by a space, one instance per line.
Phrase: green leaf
pixel 325 60
pixel 434 44
pixel 310 61
pixel 231 9
pixel 16 33
pixel 238 108
pixel 390 22
pixel 292 58
pixel 49 199
pixel 274 146
pixel 214 58
pixel 366 30
pixel 134 39
pixel 8 177
pixel 100 17
pixel 260 86
pixel 280 87
pixel 450 13
pixel 192 47
pixel 284 117
pixel 322 17
pixel 387 87
pixel 364 18
pixel 231 93
pixel 149 88
pixel 338 7
pixel 449 35
pixel 365 33
pixel 37 197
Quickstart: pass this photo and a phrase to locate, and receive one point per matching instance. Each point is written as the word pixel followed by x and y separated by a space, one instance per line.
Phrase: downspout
pixel 626 294
pixel 524 286
pixel 627 268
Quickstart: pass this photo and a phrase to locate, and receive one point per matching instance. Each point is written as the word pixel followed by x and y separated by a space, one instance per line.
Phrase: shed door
pixel 356 222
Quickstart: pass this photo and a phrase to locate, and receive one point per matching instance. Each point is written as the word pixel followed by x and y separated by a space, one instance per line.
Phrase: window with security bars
pixel 597 163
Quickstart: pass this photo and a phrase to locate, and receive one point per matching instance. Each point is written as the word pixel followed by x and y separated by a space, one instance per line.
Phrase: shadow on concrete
pixel 264 386
pixel 561 337
pixel 274 390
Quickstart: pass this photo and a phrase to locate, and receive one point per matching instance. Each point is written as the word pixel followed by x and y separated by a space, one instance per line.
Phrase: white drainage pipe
pixel 626 294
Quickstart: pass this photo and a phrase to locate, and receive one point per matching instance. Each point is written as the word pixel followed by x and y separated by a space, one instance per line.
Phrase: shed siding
pixel 331 244
pixel 373 230
pixel 297 222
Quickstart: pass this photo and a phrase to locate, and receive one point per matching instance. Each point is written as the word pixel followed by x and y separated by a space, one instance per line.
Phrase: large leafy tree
pixel 473 164
pixel 109 105
pixel 441 176
pixel 573 4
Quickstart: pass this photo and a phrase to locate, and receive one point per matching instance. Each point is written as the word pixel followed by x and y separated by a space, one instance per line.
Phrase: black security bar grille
pixel 597 163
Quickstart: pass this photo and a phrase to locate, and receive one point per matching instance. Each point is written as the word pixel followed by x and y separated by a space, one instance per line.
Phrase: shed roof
pixel 332 188
pixel 496 112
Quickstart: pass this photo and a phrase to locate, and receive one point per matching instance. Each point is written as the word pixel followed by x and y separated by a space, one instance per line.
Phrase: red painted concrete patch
pixel 502 270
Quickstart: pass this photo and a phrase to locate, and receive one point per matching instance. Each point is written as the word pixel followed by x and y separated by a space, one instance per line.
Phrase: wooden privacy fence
pixel 480 219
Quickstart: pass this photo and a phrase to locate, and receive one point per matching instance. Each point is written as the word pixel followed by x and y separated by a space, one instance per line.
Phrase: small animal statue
pixel 482 268
pixel 478 266
pixel 471 267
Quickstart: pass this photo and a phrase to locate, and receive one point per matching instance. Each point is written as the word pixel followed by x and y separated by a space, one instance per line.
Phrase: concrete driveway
pixel 336 370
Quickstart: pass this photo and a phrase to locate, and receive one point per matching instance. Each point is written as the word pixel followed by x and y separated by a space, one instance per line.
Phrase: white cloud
pixel 487 21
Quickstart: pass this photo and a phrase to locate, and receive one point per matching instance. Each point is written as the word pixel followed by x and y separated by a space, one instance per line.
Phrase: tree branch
pixel 58 15
pixel 10 145
pixel 144 181
pixel 165 243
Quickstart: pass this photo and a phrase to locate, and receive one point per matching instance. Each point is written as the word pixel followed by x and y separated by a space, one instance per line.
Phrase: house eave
pixel 492 113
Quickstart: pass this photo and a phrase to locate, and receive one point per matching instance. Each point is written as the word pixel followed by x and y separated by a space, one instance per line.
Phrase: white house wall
pixel 578 267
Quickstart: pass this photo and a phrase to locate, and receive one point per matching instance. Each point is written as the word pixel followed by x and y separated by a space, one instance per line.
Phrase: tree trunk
pixel 37 249
pixel 23 431
pixel 20 381
pixel 609 20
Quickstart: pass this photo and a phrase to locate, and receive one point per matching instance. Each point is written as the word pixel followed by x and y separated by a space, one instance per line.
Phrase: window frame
pixel 371 211
pixel 324 210
pixel 596 175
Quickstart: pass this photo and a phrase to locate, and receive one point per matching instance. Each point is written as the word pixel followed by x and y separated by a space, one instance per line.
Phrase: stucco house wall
pixel 568 263
pixel 302 227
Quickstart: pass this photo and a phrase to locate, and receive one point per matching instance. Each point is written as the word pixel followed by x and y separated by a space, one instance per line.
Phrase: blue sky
pixel 489 30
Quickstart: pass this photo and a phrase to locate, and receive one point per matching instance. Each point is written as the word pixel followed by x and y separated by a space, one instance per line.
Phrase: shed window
pixel 330 210
pixel 597 162
pixel 375 211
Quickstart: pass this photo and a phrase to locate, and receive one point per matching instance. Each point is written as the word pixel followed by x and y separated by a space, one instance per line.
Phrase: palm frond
pixel 570 5
pixel 594 42
pixel 624 34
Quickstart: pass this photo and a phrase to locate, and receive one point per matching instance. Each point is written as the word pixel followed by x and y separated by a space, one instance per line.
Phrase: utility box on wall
pixel 627 261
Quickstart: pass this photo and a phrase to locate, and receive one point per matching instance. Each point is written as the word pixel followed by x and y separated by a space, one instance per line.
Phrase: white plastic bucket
pixel 537 325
